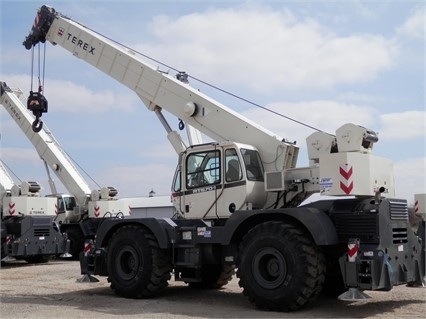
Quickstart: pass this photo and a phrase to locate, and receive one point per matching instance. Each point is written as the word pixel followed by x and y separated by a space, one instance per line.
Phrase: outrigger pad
pixel 87 278
pixel 353 294
pixel 8 259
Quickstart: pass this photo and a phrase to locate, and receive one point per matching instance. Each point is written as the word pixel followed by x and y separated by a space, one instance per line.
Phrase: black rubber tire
pixel 137 267
pixel 38 259
pixel 76 238
pixel 279 267
pixel 214 277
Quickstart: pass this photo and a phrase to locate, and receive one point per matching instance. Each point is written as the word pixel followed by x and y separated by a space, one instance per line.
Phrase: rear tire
pixel 137 267
pixel 279 267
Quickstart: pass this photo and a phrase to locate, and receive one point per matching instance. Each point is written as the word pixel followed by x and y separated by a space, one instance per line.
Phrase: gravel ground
pixel 50 290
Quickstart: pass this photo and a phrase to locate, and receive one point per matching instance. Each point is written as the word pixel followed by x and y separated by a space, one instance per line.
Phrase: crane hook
pixel 37 103
pixel 181 125
pixel 37 125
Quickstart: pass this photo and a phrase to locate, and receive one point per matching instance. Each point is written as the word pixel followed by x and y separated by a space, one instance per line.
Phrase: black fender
pixel 316 222
pixel 161 228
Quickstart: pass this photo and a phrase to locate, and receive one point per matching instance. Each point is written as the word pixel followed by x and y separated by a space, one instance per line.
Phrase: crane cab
pixel 214 180
pixel 66 211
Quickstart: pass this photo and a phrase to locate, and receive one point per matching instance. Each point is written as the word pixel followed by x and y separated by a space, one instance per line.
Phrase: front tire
pixel 76 238
pixel 279 267
pixel 137 267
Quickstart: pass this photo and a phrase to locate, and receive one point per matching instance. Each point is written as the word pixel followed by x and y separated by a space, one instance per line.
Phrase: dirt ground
pixel 50 290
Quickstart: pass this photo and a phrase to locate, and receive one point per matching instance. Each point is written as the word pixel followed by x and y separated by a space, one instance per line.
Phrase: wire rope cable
pixel 210 85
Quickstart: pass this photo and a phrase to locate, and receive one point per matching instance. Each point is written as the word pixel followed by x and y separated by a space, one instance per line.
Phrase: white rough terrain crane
pixel 239 199
pixel 81 205
pixel 28 229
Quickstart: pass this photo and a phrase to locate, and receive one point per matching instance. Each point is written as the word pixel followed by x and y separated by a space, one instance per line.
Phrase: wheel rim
pixel 127 263
pixel 269 268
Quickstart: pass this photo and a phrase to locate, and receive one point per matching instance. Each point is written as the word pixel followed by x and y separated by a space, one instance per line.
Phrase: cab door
pixel 201 181
pixel 234 185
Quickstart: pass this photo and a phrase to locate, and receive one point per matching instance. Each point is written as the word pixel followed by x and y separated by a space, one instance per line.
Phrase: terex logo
pixel 81 43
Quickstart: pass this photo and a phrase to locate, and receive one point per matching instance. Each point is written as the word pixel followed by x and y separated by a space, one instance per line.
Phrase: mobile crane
pixel 81 206
pixel 238 199
pixel 28 229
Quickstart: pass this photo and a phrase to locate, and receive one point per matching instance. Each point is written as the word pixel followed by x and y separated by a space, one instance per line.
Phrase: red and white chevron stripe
pixel 346 184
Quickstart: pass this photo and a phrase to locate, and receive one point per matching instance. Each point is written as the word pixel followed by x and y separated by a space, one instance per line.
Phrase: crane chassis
pixel 284 254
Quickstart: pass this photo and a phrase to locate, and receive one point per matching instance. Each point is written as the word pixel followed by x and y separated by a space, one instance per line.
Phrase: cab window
pixel 233 167
pixel 176 181
pixel 69 203
pixel 253 164
pixel 203 169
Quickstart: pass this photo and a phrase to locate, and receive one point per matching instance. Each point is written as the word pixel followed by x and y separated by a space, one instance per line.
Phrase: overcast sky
pixel 324 63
